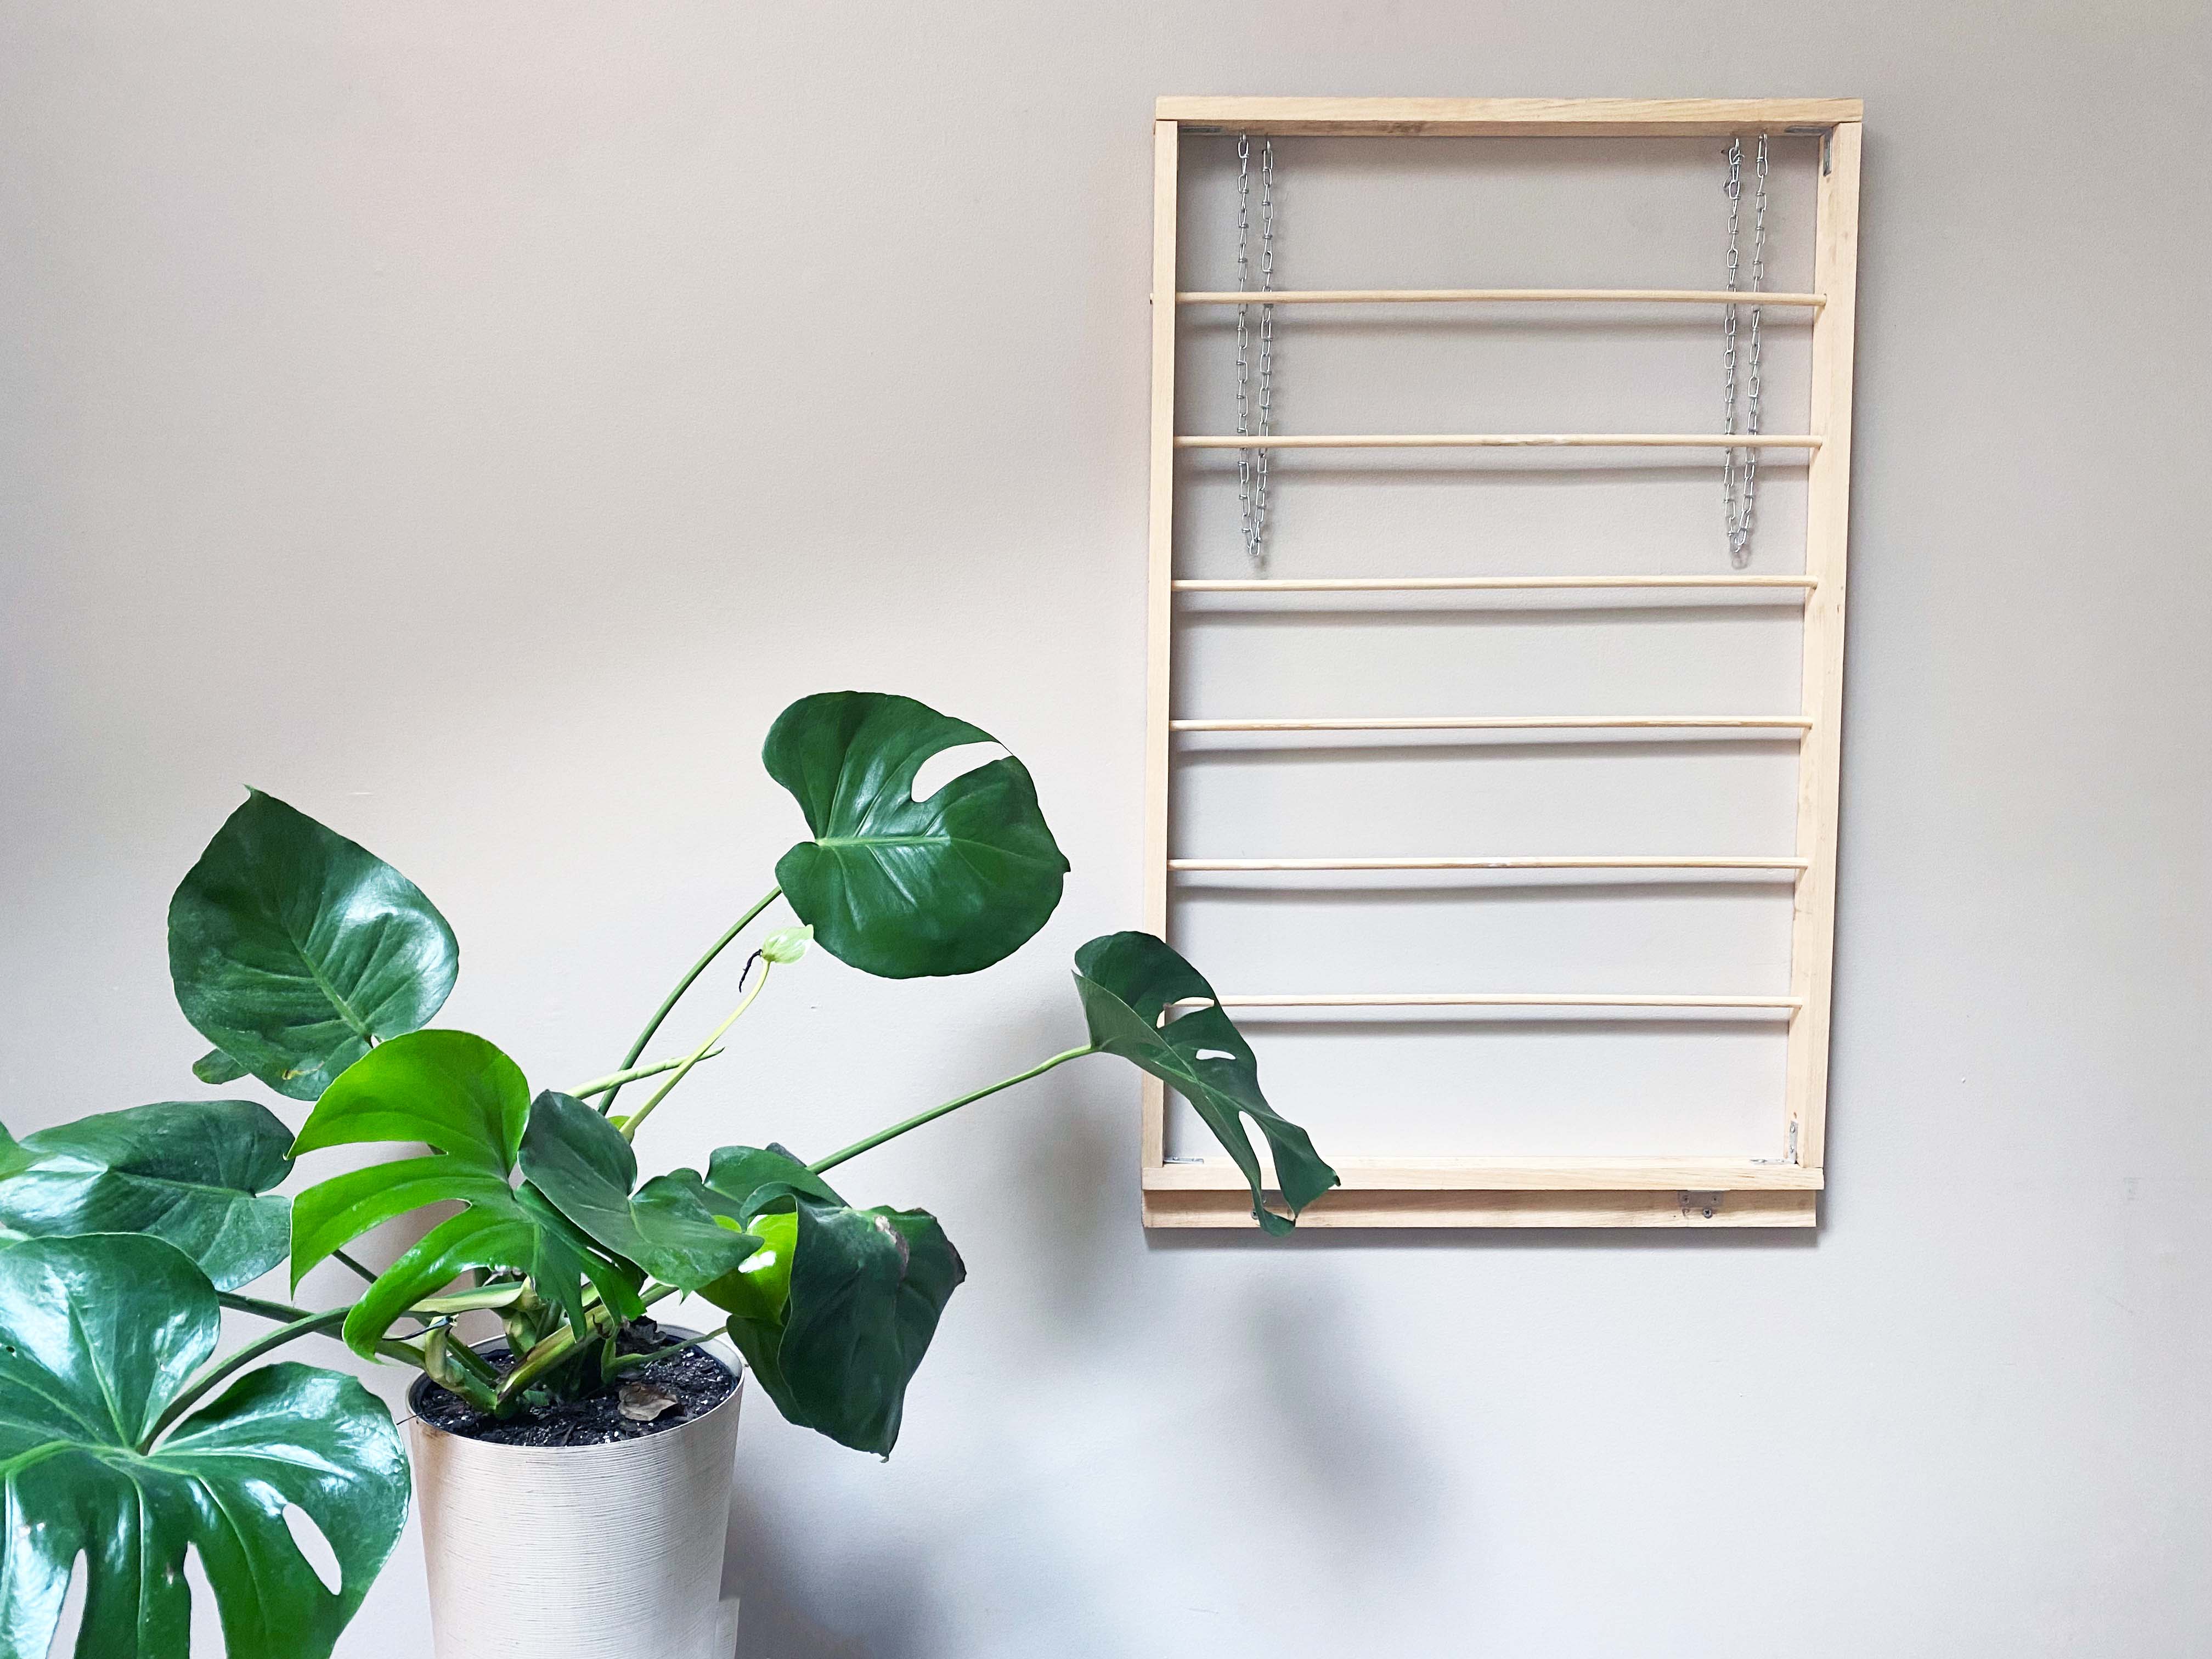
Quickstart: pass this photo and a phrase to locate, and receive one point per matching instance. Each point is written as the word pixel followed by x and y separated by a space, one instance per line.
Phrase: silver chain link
pixel 1737 522
pixel 1252 463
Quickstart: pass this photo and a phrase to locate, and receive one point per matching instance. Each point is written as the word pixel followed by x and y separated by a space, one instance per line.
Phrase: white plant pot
pixel 610 1552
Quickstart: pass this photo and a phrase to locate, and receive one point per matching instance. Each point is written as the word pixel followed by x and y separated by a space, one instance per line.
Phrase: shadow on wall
pixel 1035 1172
pixel 773 1625
pixel 1333 1444
pixel 1332 1436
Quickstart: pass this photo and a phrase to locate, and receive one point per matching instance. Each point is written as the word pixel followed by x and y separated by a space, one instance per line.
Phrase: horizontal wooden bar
pixel 1505 723
pixel 1500 440
pixel 1515 1175
pixel 1510 118
pixel 1573 861
pixel 1387 296
pixel 1474 584
pixel 1341 1209
pixel 1498 999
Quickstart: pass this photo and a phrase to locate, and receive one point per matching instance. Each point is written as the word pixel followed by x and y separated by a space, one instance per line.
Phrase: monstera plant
pixel 315 967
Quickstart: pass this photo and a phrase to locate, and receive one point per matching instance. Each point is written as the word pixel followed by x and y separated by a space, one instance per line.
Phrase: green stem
pixel 934 1112
pixel 563 1343
pixel 306 1325
pixel 682 985
pixel 631 1076
pixel 626 1362
pixel 490 1296
pixel 279 1311
pixel 367 1274
pixel 391 1347
pixel 600 1085
pixel 629 1128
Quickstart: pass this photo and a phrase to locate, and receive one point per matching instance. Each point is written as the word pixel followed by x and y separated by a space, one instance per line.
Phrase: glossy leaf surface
pixel 197 1173
pixel 674 1227
pixel 1126 982
pixel 291 947
pixel 900 887
pixel 467 1100
pixel 836 1335
pixel 97 1336
pixel 215 1068
pixel 753 1176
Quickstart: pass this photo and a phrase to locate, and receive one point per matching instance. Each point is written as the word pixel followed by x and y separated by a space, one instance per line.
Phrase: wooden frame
pixel 1560 1192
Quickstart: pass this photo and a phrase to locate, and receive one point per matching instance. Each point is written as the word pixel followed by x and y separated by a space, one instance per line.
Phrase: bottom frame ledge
pixel 1341 1209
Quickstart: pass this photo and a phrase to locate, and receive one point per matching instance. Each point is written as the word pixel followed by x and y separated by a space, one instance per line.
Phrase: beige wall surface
pixel 473 421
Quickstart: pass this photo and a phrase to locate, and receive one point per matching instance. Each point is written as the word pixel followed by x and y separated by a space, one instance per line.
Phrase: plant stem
pixel 559 1345
pixel 367 1274
pixel 489 1296
pixel 918 1119
pixel 624 1362
pixel 629 1129
pixel 306 1325
pixel 682 985
pixel 600 1085
pixel 279 1311
pixel 430 1307
pixel 246 1356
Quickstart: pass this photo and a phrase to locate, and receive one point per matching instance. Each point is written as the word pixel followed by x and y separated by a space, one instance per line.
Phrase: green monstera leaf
pixel 461 1096
pixel 835 1312
pixel 292 949
pixel 98 1336
pixel 674 1227
pixel 896 886
pixel 194 1172
pixel 1128 981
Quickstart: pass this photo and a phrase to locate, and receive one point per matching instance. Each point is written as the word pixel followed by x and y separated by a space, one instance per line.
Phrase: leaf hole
pixel 1213 1053
pixel 205 1618
pixel 947 764
pixel 307 1538
pixel 72 1609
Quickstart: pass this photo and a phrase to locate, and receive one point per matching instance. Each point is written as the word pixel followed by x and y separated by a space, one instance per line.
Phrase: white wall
pixel 472 422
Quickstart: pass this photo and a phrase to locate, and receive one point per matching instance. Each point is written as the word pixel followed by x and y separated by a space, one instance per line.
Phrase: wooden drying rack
pixel 1454 1192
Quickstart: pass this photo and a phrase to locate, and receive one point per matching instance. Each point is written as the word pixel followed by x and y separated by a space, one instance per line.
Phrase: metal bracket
pixel 1701 1205
pixel 1826 135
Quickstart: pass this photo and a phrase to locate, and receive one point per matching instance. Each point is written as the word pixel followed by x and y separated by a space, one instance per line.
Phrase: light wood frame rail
pixel 1553 1192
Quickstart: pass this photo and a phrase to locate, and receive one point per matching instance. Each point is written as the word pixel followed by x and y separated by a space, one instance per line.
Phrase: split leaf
pixel 85 1373
pixel 1128 981
pixel 896 886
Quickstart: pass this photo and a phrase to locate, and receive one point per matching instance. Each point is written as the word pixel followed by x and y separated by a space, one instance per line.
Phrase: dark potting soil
pixel 693 1379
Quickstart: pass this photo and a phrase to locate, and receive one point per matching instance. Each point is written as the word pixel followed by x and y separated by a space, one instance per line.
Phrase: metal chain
pixel 1735 521
pixel 1252 463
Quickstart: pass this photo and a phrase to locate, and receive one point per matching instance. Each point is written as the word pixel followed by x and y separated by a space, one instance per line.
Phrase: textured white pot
pixel 610 1552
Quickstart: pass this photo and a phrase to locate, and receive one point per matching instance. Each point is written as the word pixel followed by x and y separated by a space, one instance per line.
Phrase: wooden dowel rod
pixel 1625 861
pixel 1504 723
pixel 1366 296
pixel 1444 584
pixel 1504 440
pixel 1495 1000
